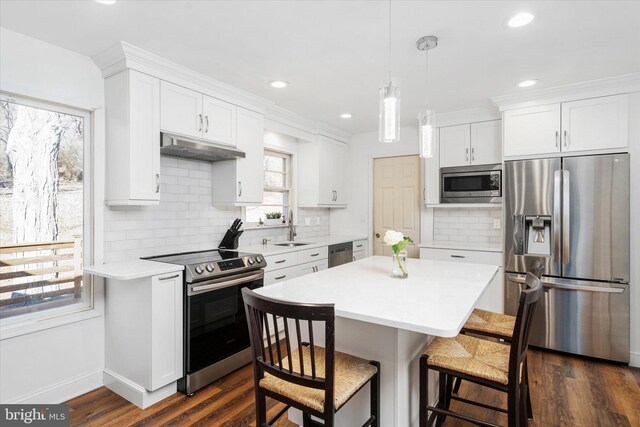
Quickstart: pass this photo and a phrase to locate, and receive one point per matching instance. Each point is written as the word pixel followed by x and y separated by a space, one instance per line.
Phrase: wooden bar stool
pixel 316 380
pixel 491 364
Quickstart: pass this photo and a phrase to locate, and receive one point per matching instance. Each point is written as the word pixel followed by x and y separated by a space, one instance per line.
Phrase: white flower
pixel 392 237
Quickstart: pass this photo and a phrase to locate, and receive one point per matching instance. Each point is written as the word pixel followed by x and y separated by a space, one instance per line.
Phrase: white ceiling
pixel 334 53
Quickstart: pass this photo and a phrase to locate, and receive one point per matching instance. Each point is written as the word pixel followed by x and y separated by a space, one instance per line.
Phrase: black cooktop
pixel 199 257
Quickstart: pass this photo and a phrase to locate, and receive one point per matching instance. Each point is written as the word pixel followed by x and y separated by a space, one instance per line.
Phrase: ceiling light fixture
pixel 520 20
pixel 345 115
pixel 389 118
pixel 106 1
pixel 527 83
pixel 426 118
pixel 278 84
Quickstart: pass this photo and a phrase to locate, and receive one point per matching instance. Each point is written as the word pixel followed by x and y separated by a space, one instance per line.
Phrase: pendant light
pixel 426 118
pixel 389 119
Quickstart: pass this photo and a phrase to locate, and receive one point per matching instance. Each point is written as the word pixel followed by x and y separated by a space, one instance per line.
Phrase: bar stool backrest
pixel 262 316
pixel 520 343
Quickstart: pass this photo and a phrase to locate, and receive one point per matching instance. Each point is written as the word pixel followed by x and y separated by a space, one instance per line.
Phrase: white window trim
pixel 49 318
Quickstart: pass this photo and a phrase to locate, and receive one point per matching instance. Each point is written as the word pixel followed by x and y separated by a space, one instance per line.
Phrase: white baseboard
pixel 63 391
pixel 634 360
pixel 135 393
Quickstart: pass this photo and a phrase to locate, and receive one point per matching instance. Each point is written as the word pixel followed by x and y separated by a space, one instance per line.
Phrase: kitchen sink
pixel 291 244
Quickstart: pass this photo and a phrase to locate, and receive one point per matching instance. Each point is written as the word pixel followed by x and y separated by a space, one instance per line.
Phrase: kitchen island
pixel 391 321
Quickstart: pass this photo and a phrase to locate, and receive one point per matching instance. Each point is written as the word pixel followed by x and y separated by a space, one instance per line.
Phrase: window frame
pixel 34 321
pixel 289 188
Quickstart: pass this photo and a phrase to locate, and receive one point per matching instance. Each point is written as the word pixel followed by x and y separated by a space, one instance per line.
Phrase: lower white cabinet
pixel 274 276
pixel 143 325
pixel 493 297
pixel 313 267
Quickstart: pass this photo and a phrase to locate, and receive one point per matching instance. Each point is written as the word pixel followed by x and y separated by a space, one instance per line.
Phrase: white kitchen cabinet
pixel 219 121
pixel 187 112
pixel 144 327
pixel 321 184
pixel 359 255
pixel 493 297
pixel 274 276
pixel 532 130
pixel 313 267
pixel 132 107
pixel 240 182
pixel 180 110
pixel 455 144
pixel 486 143
pixel 595 124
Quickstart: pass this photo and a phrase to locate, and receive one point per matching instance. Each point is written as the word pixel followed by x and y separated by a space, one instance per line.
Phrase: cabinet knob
pixel 206 120
pixel 157 183
pixel 200 119
pixel 377 235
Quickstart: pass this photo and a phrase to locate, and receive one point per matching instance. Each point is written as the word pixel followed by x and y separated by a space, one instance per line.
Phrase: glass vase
pixel 399 265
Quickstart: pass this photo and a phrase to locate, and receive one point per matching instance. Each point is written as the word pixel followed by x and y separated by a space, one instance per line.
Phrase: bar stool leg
pixel 424 392
pixel 526 383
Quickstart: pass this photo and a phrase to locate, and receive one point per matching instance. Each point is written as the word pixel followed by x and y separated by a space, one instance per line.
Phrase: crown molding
pixel 625 83
pixel 471 115
pixel 126 56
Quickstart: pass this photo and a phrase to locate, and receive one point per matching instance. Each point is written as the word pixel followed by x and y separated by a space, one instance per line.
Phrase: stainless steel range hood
pixel 198 149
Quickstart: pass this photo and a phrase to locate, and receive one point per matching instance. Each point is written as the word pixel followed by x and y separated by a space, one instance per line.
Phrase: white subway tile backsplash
pixel 185 219
pixel 466 225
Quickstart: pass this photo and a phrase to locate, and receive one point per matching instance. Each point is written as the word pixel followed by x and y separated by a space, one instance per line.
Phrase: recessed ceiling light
pixel 527 83
pixel 345 115
pixel 520 20
pixel 105 1
pixel 278 84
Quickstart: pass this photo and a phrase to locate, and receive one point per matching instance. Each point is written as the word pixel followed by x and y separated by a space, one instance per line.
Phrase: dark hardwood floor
pixel 566 391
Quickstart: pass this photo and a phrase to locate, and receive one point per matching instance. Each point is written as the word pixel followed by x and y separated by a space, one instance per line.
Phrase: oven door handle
pixel 224 284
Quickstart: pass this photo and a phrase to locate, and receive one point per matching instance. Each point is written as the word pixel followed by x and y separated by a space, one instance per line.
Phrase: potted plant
pixel 398 243
pixel 273 218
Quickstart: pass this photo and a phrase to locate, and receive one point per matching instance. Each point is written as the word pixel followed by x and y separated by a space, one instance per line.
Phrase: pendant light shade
pixel 389 120
pixel 426 118
pixel 426 129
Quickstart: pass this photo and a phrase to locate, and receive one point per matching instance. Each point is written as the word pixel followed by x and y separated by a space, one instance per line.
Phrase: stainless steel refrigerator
pixel 571 214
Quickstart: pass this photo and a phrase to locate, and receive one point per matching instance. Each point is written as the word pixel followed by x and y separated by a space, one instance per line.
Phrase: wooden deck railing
pixel 55 267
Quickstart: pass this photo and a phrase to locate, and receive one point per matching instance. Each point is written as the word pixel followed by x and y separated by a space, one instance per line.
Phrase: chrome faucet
pixel 292 228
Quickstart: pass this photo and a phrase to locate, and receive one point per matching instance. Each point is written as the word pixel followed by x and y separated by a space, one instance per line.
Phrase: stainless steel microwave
pixel 471 184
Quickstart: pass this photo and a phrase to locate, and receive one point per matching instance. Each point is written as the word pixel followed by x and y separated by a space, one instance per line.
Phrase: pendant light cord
pixel 389 41
pixel 426 78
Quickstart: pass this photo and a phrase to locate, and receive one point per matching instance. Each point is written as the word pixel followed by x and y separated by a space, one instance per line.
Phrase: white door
pixel 144 107
pixel 486 142
pixel 219 121
pixel 595 124
pixel 533 130
pixel 396 201
pixel 180 110
pixel 327 168
pixel 339 156
pixel 166 330
pixel 455 143
pixel 250 170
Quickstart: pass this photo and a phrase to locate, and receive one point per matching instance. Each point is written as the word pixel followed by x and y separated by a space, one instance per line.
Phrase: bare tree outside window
pixel 277 187
pixel 41 208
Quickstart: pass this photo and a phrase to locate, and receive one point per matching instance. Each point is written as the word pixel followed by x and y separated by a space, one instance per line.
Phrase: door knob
pixel 378 235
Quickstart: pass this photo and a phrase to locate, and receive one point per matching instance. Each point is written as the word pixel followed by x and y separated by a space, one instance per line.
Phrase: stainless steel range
pixel 215 325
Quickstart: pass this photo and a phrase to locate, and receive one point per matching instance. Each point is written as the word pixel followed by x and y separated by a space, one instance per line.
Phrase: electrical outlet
pixel 307 221
pixel 496 224
pixel 317 220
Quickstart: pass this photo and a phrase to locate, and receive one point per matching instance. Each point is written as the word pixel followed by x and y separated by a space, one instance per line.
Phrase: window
pixel 45 214
pixel 277 187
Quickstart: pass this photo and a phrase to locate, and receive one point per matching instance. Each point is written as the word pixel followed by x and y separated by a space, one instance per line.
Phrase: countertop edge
pixel 275 250
pixel 136 269
pixel 460 247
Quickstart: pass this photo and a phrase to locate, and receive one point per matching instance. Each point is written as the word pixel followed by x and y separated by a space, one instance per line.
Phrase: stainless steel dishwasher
pixel 341 253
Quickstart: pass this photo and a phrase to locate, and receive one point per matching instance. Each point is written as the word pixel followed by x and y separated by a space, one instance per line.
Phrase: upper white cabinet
pixel 471 144
pixel 187 112
pixel 590 125
pixel 595 124
pixel 486 143
pixel 322 181
pixel 240 182
pixel 455 143
pixel 132 107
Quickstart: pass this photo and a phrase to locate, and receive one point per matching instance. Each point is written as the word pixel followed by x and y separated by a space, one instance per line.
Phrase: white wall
pixel 54 364
pixel 634 149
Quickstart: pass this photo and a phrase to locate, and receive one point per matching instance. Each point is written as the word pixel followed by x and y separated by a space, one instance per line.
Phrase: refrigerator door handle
pixel 566 217
pixel 548 282
pixel 557 196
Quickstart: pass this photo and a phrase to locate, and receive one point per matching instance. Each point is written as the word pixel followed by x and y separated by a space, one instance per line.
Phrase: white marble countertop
pixel 436 298
pixel 135 269
pixel 314 242
pixel 463 246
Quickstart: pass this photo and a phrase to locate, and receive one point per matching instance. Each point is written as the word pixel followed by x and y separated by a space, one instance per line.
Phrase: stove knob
pixel 251 260
pixel 199 269
pixel 259 259
pixel 209 268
